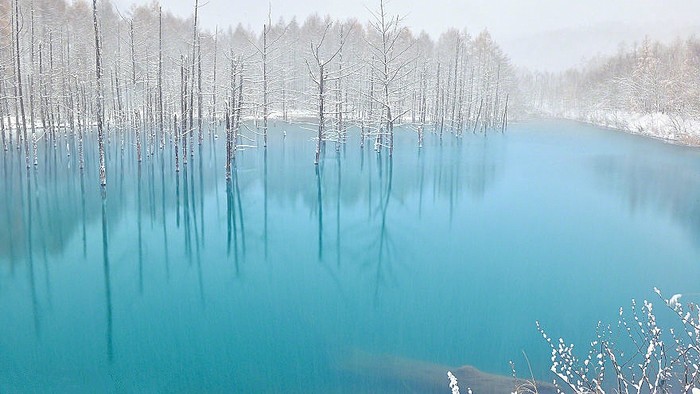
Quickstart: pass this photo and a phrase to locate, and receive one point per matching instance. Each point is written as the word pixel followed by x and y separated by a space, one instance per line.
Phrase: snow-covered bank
pixel 669 128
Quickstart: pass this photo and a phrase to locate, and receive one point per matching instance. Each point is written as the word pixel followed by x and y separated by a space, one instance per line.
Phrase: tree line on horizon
pixel 648 78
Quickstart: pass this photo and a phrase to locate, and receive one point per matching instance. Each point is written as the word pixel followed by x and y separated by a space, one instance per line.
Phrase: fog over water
pixel 541 34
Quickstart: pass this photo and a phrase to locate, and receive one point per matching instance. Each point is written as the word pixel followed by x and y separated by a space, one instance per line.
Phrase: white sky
pixel 549 34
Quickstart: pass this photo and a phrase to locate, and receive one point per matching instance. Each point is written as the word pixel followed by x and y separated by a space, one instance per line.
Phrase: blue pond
pixel 344 279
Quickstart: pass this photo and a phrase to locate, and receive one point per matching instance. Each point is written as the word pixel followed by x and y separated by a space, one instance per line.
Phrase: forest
pixel 149 79
pixel 651 88
pixel 160 80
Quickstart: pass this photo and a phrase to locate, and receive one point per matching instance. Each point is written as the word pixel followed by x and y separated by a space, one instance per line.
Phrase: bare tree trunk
pixel 436 110
pixel 213 88
pixel 177 144
pixel 18 76
pixel 133 52
pixel 264 61
pixel 31 90
pixel 478 115
pixel 9 120
pixel 67 91
pixel 320 80
pixel 370 109
pixel 199 90
pixel 385 78
pixel 443 107
pixel 233 106
pixel 239 108
pixel 120 103
pixel 284 96
pixel 31 112
pixel 160 77
pixel 2 110
pixel 471 96
pixel 98 87
pixel 496 104
pixel 183 109
pixel 321 120
pixel 339 95
pixel 504 122
pixel 228 143
pixel 422 105
pixel 137 126
pixel 454 82
pixel 460 97
pixel 81 155
pixel 194 58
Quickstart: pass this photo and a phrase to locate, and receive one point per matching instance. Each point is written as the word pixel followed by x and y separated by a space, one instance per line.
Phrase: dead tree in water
pixel 160 77
pixel 213 84
pixel 199 91
pixel 341 95
pixel 183 108
pixel 98 87
pixel 265 52
pixel 137 128
pixel 18 76
pixel 391 67
pixel 3 100
pixel 464 85
pixel 504 121
pixel 320 75
pixel 194 59
pixel 239 106
pixel 234 107
pixel 230 105
pixel 228 143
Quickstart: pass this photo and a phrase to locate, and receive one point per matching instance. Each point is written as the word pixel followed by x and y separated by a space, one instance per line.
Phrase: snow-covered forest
pixel 165 81
pixel 651 88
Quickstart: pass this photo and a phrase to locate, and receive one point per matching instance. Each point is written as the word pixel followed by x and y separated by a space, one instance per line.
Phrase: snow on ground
pixel 670 128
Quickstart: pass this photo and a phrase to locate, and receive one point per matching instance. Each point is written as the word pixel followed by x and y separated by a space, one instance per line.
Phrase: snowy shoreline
pixel 659 126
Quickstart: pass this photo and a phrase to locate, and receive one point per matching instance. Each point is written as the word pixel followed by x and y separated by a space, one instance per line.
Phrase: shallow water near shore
pixel 182 282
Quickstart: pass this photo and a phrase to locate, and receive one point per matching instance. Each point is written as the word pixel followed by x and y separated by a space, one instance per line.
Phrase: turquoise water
pixel 276 282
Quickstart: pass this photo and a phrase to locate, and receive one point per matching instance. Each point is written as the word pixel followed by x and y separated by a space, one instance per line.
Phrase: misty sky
pixel 543 34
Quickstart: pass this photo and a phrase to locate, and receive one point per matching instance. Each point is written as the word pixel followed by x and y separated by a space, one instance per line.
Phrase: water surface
pixel 182 282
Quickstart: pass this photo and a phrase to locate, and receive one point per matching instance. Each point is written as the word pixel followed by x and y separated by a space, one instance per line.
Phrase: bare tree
pixel 160 77
pixel 18 76
pixel 213 83
pixel 321 76
pixel 390 66
pixel 99 97
pixel 194 59
pixel 265 51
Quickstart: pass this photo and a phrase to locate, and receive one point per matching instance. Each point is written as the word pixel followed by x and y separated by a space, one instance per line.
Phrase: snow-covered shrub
pixel 454 385
pixel 636 356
